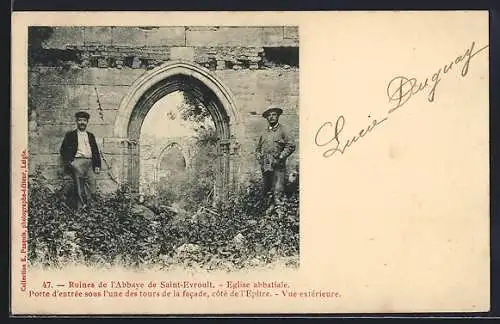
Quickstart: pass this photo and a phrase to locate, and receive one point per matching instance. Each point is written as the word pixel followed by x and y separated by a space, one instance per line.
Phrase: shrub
pixel 115 229
pixel 104 233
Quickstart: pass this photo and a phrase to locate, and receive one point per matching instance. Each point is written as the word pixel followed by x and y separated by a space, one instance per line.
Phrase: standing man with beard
pixel 82 160
pixel 274 147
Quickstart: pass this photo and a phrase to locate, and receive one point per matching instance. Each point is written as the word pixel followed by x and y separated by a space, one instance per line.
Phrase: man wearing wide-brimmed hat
pixel 274 146
pixel 82 160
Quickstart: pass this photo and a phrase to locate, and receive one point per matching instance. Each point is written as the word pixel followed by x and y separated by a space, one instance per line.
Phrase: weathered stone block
pixel 182 53
pixel 53 130
pixel 45 159
pixel 287 42
pixel 271 36
pixel 101 130
pixel 128 36
pixel 240 82
pixel 56 76
pixel 202 28
pixel 235 36
pixel 47 116
pixel 114 146
pixel 97 35
pixel 88 76
pixel 104 116
pixel 97 117
pixel 112 167
pixel 55 144
pixel 85 96
pixel 155 54
pixel 63 36
pixel 46 145
pixel 80 97
pixel 108 77
pixel 278 83
pixel 255 126
pixel 44 97
pixel 171 36
pixel 251 103
pixel 291 32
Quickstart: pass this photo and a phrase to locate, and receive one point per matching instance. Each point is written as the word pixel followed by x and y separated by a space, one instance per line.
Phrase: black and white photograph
pixel 216 163
pixel 163 147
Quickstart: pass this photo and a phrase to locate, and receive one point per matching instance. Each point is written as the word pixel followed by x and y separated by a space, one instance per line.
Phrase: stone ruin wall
pixel 72 68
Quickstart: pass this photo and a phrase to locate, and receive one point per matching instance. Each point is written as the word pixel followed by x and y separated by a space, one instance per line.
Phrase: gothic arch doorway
pixel 171 158
pixel 207 89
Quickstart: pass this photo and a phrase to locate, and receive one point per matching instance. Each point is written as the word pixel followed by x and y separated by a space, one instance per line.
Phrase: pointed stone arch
pixel 205 87
pixel 165 150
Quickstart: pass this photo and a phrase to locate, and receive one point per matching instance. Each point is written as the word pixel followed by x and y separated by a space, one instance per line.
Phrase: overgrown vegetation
pixel 178 225
pixel 194 185
pixel 117 230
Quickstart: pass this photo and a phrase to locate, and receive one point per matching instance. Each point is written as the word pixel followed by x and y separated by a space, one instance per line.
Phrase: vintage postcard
pixel 249 162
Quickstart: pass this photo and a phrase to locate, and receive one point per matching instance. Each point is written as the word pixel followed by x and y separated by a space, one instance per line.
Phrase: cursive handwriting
pixel 399 90
pixel 335 136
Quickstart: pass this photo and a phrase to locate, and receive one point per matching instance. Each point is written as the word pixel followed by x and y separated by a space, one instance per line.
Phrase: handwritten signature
pixel 399 91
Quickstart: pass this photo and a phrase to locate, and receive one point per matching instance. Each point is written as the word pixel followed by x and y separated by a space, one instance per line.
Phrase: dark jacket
pixel 70 145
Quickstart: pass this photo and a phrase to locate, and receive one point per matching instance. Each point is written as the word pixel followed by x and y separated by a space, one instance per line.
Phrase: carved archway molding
pixel 162 72
pixel 165 79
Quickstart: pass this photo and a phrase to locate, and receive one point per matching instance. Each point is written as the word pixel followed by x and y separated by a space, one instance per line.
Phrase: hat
pixel 82 114
pixel 279 111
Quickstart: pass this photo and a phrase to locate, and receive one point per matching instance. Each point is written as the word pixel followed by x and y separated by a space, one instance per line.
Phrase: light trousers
pixel 84 181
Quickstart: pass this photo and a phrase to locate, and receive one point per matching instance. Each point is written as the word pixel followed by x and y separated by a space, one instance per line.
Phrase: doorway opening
pixel 177 150
pixel 204 95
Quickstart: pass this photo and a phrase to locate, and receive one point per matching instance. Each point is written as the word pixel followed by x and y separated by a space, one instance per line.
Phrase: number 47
pixel 46 284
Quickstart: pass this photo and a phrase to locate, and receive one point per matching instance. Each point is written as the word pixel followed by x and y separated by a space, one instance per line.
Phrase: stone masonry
pixel 153 151
pixel 93 69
